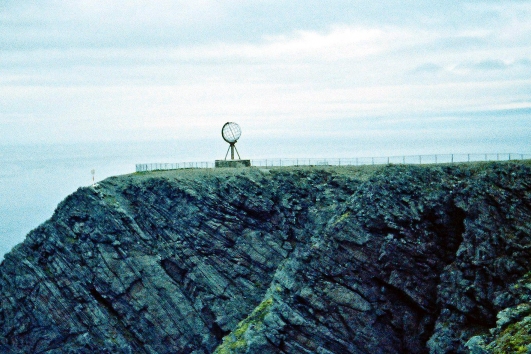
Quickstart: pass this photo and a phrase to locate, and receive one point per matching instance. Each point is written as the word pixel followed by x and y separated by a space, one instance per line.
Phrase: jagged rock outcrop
pixel 392 259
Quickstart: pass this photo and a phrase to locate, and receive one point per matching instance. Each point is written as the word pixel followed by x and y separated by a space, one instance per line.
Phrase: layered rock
pixel 386 259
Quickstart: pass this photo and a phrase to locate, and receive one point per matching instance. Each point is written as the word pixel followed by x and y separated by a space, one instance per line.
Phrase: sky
pixel 386 76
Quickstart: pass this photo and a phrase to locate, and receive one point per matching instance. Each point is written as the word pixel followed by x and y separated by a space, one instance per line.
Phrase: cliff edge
pixel 391 259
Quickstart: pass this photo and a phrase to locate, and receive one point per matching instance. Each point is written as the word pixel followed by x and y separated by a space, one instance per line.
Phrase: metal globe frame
pixel 231 132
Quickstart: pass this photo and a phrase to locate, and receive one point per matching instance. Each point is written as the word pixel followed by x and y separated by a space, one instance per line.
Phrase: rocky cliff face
pixel 394 259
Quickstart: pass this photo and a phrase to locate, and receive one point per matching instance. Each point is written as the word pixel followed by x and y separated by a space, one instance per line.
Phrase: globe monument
pixel 231 132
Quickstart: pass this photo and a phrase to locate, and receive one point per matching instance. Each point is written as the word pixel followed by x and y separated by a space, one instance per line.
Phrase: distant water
pixel 35 178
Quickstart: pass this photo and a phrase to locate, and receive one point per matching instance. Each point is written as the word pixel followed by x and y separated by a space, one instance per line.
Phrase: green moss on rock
pixel 235 341
pixel 516 338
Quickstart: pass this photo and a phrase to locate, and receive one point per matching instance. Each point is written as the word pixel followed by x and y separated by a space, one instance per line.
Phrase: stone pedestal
pixel 233 163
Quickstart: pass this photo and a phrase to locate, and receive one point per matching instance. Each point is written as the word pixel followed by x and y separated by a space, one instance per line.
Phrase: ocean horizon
pixel 35 178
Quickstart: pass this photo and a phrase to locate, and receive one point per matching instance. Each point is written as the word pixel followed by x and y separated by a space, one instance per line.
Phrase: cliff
pixel 391 259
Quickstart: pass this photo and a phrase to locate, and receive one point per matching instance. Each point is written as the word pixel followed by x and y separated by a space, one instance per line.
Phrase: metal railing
pixel 358 161
pixel 143 167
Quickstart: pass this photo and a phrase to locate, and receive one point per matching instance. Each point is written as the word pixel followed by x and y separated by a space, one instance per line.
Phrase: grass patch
pixel 514 339
pixel 70 240
pixel 341 218
pixel 235 341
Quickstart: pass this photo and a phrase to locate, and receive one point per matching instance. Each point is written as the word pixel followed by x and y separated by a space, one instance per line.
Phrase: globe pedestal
pixel 233 163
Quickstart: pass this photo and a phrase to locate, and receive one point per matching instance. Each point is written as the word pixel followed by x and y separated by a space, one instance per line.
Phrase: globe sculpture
pixel 231 132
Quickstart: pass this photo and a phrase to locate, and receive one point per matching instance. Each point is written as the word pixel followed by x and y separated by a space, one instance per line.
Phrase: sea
pixel 35 178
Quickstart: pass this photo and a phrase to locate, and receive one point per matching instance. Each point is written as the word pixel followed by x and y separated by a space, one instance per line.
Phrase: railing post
pixel 403 160
pixel 468 157
pixel 420 159
pixel 435 158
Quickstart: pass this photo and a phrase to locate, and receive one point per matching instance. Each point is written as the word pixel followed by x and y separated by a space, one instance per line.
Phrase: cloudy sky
pixel 435 76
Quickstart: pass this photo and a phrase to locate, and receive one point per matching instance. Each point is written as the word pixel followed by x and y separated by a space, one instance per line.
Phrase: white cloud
pixel 337 43
pixel 128 66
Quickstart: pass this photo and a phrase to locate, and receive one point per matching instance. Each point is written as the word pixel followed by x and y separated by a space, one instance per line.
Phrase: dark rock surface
pixel 393 259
